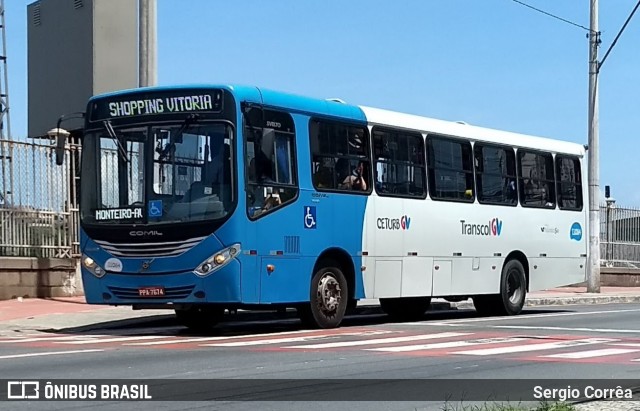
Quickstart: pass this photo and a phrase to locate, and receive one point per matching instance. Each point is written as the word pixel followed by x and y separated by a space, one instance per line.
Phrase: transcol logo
pixel 401 223
pixel 493 228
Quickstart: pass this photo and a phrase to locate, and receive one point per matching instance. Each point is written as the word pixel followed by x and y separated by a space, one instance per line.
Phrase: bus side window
pixel 340 156
pixel 569 183
pixel 399 163
pixel 450 162
pixel 270 161
pixel 537 179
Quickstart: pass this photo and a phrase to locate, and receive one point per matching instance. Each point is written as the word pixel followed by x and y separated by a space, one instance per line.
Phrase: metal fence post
pixel 611 203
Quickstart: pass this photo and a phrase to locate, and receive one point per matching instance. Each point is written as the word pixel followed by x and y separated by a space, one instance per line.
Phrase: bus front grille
pixel 164 249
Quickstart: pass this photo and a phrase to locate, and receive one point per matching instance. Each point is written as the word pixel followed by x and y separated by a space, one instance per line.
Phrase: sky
pixel 490 63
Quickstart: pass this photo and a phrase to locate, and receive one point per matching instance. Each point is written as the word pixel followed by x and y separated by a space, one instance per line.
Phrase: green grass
pixel 510 407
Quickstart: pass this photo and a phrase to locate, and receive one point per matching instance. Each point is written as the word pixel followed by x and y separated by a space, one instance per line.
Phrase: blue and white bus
pixel 203 199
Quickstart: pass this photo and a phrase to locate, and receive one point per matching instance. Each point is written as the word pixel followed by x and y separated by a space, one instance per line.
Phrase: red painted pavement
pixel 34 307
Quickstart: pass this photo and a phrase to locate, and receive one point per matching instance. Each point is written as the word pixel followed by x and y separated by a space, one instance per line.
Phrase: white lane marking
pixel 269 341
pixel 450 344
pixel 591 353
pixel 625 344
pixel 41 354
pixel 109 340
pixel 518 317
pixel 595 330
pixel 186 340
pixel 244 337
pixel 231 337
pixel 534 347
pixel 379 341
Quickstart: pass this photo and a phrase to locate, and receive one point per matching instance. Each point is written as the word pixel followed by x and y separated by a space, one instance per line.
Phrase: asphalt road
pixel 576 342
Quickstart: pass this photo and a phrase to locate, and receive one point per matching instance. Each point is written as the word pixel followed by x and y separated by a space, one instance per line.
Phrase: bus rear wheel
pixel 329 299
pixel 513 291
pixel 408 308
pixel 199 317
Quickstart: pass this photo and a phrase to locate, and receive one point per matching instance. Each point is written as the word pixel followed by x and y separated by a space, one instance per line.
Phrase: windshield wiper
pixel 112 133
pixel 164 152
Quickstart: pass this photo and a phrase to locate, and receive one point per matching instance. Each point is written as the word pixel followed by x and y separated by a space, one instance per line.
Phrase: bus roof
pixel 292 102
pixel 377 116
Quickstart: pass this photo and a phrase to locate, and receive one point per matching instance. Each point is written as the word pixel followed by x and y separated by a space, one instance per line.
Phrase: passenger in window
pixel 263 197
pixel 264 168
pixel 354 180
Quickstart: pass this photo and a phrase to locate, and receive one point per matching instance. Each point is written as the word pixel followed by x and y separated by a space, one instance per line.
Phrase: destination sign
pixel 118 214
pixel 157 103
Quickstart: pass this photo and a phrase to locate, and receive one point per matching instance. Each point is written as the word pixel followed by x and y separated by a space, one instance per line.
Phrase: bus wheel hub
pixel 329 293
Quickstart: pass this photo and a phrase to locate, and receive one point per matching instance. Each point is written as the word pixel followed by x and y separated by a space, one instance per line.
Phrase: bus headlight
pixel 218 260
pixel 92 266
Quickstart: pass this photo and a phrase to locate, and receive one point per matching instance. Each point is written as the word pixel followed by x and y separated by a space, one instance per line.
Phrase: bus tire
pixel 513 291
pixel 408 308
pixel 328 299
pixel 199 317
pixel 513 288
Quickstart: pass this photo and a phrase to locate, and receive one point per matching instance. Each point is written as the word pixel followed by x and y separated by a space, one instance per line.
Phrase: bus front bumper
pixel 149 289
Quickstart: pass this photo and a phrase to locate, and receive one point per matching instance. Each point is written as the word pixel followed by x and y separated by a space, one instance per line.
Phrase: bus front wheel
pixel 329 299
pixel 513 291
pixel 199 317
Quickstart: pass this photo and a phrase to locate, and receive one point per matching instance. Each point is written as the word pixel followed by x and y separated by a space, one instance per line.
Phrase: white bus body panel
pixel 418 247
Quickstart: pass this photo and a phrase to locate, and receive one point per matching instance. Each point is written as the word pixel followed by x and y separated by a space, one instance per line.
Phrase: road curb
pixel 550 301
pixel 530 302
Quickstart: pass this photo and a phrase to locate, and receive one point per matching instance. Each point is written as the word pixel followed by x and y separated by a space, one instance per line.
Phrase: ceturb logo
pixel 493 228
pixel 401 223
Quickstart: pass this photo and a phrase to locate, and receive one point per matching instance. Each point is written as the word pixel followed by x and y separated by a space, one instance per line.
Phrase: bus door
pixel 271 187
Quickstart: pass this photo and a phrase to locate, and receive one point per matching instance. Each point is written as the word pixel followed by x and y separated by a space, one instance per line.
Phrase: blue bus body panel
pixel 284 238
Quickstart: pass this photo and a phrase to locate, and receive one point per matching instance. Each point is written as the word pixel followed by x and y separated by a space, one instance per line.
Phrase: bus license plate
pixel 151 292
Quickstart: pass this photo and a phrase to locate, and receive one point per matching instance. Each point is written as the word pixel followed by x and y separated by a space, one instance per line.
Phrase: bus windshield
pixel 153 175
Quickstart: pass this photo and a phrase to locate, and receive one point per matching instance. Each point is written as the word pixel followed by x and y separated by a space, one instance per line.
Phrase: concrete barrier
pixel 39 277
pixel 620 277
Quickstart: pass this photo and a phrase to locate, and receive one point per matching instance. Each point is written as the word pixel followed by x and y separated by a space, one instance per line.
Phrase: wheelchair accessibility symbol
pixel 155 208
pixel 309 217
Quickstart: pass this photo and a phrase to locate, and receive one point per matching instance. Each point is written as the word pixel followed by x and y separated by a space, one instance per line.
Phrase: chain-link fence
pixel 38 201
pixel 619 236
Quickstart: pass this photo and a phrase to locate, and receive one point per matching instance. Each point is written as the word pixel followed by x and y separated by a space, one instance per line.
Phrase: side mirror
pixel 60 136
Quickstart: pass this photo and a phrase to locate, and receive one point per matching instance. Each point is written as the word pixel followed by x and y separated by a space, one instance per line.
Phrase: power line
pixel 624 26
pixel 551 15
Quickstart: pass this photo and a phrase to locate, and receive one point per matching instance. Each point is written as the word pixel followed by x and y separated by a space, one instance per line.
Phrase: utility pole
pixel 147 43
pixel 593 268
pixel 6 148
pixel 147 64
